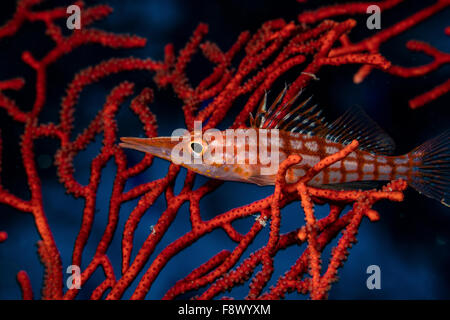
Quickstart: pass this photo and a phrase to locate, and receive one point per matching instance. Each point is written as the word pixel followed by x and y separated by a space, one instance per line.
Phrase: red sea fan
pixel 274 49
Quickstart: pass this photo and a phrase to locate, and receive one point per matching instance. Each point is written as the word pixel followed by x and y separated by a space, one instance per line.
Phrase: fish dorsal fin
pixel 306 119
pixel 302 118
pixel 356 124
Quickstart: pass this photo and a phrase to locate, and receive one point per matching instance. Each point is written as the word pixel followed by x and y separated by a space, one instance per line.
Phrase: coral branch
pixel 25 285
pixel 429 96
pixel 343 9
pixel 373 43
pixel 3 236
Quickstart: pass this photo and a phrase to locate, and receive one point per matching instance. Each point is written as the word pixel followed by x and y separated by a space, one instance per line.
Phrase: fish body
pixel 253 155
pixel 359 165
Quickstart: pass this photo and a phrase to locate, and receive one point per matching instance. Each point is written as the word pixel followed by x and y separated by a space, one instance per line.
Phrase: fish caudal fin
pixel 432 175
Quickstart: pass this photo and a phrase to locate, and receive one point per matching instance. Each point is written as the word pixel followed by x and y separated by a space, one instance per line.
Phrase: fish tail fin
pixel 432 174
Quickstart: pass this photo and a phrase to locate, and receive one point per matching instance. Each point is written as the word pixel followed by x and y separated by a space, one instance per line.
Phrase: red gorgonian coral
pixel 274 49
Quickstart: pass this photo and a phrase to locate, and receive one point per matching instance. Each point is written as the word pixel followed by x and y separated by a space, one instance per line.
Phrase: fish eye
pixel 197 147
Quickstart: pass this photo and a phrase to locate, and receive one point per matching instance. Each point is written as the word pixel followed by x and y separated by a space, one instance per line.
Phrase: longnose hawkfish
pixel 302 130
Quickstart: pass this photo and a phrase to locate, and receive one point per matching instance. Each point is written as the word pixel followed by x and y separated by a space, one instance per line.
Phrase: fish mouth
pixel 139 144
pixel 159 146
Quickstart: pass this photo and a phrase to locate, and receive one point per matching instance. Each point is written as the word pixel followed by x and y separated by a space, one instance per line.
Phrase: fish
pixel 281 130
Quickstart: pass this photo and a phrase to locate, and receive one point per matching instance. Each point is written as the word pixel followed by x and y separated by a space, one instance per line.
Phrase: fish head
pixel 212 154
pixel 208 158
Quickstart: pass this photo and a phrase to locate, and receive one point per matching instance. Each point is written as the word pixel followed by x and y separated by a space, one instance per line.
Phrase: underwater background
pixel 411 241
